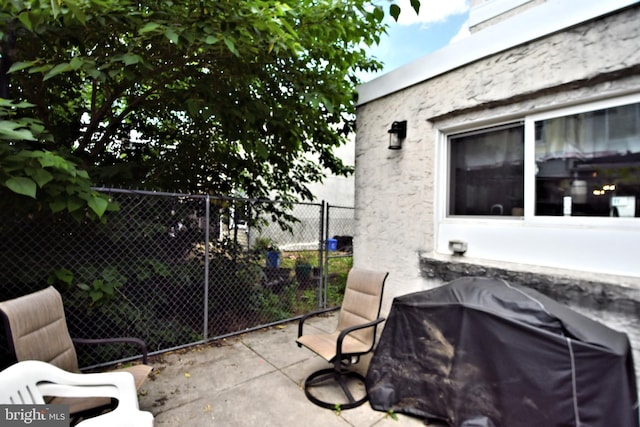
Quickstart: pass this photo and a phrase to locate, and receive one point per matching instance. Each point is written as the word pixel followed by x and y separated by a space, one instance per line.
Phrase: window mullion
pixel 529 169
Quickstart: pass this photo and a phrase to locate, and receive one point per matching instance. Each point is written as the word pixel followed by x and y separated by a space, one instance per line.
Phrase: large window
pixel 487 172
pixel 586 164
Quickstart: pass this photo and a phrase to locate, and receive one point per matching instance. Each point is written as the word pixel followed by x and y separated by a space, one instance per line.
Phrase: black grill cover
pixel 485 353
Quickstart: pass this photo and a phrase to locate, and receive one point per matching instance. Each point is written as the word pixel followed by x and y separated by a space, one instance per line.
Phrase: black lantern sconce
pixel 397 133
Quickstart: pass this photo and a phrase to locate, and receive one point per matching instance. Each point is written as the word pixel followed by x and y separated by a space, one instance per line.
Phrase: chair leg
pixel 332 378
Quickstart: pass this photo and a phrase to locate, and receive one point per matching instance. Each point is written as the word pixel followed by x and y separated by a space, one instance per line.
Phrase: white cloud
pixel 431 11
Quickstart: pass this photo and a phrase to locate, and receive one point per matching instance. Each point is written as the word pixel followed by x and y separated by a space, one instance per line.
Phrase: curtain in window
pixel 609 132
pixel 486 175
pixel 489 149
pixel 588 163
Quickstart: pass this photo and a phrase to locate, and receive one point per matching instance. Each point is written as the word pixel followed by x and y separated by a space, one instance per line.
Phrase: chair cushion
pixel 39 329
pixel 39 332
pixel 325 344
pixel 81 404
pixel 361 302
pixel 140 373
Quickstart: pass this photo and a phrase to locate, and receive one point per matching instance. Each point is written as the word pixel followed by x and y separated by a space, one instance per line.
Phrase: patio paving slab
pixel 253 379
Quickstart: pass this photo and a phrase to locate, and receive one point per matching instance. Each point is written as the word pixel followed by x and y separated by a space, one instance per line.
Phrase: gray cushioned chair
pixel 354 336
pixel 36 329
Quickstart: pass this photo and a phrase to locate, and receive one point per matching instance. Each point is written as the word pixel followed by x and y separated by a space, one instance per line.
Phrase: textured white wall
pixel 395 192
pixel 338 190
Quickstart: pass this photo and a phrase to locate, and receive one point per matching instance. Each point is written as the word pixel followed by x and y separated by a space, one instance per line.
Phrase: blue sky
pixel 439 23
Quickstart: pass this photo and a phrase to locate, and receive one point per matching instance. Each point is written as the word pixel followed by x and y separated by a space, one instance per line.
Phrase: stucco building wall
pixel 395 190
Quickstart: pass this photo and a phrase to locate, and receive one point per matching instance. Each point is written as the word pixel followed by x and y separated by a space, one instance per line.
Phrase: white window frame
pixel 530 162
pixel 570 238
pixel 506 125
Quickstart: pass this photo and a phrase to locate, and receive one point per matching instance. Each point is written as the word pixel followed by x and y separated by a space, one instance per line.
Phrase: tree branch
pixel 113 125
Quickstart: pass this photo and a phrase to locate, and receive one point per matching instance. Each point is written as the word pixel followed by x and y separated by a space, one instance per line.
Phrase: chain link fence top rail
pixel 171 269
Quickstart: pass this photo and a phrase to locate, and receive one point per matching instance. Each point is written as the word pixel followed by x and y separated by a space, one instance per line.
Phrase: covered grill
pixel 482 352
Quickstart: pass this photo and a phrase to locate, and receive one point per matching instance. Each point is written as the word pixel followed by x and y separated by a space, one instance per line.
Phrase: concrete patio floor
pixel 253 379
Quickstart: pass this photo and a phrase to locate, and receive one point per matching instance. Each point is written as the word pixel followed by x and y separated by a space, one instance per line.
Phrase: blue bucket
pixel 332 245
pixel 273 259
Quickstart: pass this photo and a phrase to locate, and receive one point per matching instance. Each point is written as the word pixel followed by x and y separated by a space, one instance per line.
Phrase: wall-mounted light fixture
pixel 397 133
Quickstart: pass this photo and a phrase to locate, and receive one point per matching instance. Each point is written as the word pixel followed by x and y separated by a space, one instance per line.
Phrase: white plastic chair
pixel 27 382
pixel 36 329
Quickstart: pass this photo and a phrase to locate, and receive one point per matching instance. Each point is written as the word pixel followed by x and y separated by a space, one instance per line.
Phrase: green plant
pixel 274 307
pixel 99 285
pixel 264 244
pixel 146 269
pixel 307 301
pixel 306 258
pixel 303 267
pixel 339 270
pixel 39 179
pixel 102 288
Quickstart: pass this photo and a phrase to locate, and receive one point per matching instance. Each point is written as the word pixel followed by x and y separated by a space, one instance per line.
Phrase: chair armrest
pixel 79 391
pixel 117 385
pixel 140 343
pixel 348 330
pixel 53 381
pixel 312 314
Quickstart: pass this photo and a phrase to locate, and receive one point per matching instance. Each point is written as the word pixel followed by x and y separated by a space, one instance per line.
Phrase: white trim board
pixel 491 9
pixel 547 18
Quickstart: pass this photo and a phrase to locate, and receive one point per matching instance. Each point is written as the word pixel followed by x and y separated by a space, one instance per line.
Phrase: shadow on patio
pixel 248 380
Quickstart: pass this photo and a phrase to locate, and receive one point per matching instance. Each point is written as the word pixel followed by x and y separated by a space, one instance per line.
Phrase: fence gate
pixel 338 254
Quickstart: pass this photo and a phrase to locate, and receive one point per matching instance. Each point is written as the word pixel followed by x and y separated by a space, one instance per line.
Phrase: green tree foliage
pixel 222 96
pixel 41 179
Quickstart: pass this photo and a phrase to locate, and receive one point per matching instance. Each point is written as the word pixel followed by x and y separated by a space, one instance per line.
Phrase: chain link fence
pixel 177 270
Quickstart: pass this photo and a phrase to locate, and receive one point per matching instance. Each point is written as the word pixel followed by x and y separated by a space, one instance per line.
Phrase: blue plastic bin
pixel 332 245
pixel 273 259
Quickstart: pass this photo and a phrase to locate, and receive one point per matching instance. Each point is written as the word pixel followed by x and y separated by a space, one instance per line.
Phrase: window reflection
pixel 487 172
pixel 589 164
